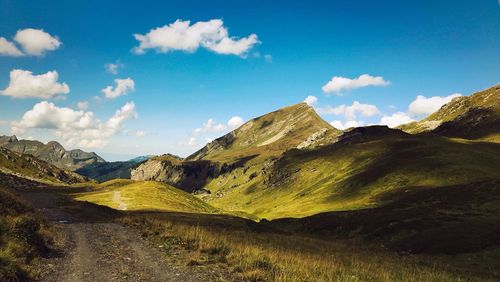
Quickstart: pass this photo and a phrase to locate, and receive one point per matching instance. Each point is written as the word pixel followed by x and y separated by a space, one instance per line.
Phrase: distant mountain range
pixel 30 167
pixel 52 152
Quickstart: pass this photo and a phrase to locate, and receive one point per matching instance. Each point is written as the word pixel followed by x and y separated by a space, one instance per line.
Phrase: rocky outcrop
pixel 189 176
pixel 367 133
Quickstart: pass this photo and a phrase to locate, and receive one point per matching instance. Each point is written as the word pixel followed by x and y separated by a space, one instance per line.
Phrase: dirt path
pixel 117 198
pixel 95 248
pixel 111 252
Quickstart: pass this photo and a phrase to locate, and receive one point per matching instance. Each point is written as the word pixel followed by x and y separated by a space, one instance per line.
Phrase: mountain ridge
pixel 52 152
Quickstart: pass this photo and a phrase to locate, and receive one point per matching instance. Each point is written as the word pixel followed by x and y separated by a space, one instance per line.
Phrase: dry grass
pixel 24 237
pixel 252 256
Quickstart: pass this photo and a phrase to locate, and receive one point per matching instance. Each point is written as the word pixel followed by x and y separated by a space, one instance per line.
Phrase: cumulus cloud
pixel 76 128
pixel 311 100
pixel 23 84
pixel 113 68
pixel 210 126
pixel 8 48
pixel 396 119
pixel 348 124
pixel 192 141
pixel 36 42
pixel 182 36
pixel 425 106
pixel 235 122
pixel 350 112
pixel 82 105
pixel 123 86
pixel 338 83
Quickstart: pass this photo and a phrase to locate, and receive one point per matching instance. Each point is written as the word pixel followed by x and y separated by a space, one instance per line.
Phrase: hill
pixel 146 195
pixel 270 135
pixel 291 163
pixel 52 152
pixel 254 143
pixel 349 176
pixel 471 117
pixel 30 167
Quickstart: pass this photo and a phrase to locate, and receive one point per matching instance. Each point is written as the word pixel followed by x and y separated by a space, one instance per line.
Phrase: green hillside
pixel 144 195
pixel 353 176
pixel 471 117
pixel 270 135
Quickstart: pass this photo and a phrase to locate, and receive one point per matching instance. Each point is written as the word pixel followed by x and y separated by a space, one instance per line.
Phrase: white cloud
pixel 208 140
pixel 113 68
pixel 338 83
pixel 23 84
pixel 182 36
pixel 230 46
pixel 123 86
pixel 350 112
pixel 210 126
pixel 82 105
pixel 192 141
pixel 235 122
pixel 311 100
pixel 36 42
pixel 140 133
pixel 8 48
pixel 348 124
pixel 76 128
pixel 396 119
pixel 426 106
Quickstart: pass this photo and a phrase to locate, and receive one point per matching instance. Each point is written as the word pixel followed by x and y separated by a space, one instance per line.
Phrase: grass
pixel 144 195
pixel 257 256
pixel 23 238
pixel 348 177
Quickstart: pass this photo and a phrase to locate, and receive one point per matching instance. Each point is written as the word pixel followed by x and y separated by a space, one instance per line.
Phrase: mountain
pixel 254 143
pixel 30 167
pixel 52 152
pixel 470 117
pixel 140 159
pixel 291 163
pixel 297 126
pixel 105 171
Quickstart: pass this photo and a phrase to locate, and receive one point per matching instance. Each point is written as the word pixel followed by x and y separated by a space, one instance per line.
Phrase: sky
pixel 153 77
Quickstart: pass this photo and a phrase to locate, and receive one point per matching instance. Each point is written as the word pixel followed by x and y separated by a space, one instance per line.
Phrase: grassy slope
pixel 346 177
pixel 269 135
pixel 251 254
pixel 145 195
pixel 22 237
pixel 473 117
pixel 31 167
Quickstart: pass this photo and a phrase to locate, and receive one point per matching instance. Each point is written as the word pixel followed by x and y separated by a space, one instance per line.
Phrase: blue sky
pixel 434 49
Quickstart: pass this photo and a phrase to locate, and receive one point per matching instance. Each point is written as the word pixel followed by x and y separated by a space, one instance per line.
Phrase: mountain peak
pixel 270 134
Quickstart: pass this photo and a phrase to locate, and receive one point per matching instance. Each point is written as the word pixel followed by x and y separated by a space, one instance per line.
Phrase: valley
pixel 284 197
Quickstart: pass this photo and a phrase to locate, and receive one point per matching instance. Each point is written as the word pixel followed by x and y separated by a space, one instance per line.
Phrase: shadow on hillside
pixel 451 219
